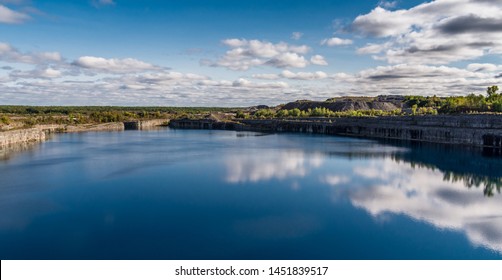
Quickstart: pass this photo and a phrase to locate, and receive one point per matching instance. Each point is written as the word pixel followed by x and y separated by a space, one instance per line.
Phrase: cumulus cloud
pixel 296 35
pixel 10 16
pixel 288 59
pixel 387 4
pixel 335 41
pixel 266 76
pixel 304 75
pixel 483 67
pixel 372 48
pixel 11 54
pixel 241 82
pixel 436 32
pixel 318 60
pixel 245 54
pixel 113 65
pixel 39 73
pixel 286 74
pixel 420 79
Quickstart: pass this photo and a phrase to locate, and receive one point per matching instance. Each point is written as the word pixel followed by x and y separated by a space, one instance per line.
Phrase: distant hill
pixel 382 102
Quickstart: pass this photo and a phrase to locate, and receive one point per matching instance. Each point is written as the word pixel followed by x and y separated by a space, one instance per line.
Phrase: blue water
pixel 189 194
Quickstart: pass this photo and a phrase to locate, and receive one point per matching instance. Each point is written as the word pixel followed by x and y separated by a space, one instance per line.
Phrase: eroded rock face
pixel 22 135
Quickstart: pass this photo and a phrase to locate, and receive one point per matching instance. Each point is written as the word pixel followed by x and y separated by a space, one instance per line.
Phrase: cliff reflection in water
pixel 9 151
pixel 448 187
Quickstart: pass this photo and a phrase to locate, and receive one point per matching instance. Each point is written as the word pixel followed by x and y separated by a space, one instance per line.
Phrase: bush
pixel 5 120
pixel 240 114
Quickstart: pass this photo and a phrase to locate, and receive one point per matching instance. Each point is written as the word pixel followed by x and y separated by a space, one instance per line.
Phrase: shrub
pixel 5 120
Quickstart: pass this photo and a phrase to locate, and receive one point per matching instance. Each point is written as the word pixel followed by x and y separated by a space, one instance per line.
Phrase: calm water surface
pixel 188 194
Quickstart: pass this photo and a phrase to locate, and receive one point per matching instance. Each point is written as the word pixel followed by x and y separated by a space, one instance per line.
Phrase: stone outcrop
pixel 40 132
pixel 22 136
pixel 138 125
pixel 384 103
pixel 115 126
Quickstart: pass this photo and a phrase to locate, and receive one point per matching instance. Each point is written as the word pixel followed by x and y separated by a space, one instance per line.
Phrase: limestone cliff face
pixel 21 136
pixel 473 130
pixel 40 132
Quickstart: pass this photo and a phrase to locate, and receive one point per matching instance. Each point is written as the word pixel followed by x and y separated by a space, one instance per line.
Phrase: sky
pixel 243 52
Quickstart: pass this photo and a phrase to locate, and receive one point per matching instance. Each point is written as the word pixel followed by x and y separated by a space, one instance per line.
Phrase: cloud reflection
pixel 255 167
pixel 424 195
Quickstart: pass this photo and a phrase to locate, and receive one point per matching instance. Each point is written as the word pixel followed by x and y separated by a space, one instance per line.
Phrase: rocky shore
pixel 483 130
pixel 41 132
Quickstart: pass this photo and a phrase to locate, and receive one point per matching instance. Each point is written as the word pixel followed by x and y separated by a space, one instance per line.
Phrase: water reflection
pixel 7 152
pixel 429 183
pixel 172 194
pixel 424 195
pixel 255 166
pixel 490 185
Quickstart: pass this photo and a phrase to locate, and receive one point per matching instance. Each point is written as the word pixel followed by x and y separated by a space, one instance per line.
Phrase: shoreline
pixel 481 130
pixel 484 131
pixel 40 133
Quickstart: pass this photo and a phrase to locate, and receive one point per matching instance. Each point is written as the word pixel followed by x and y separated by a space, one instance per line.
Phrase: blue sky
pixel 239 53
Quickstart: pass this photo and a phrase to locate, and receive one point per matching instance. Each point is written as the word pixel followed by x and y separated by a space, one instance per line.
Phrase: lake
pixel 198 194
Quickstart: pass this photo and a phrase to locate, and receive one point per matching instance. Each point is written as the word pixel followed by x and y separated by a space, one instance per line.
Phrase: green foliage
pixel 282 114
pixel 5 120
pixel 295 112
pixel 474 103
pixel 492 91
pixel 240 115
pixel 264 113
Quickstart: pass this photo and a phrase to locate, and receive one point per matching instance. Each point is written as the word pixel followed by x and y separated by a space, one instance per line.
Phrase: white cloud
pixel 286 74
pixel 318 60
pixel 304 75
pixel 266 76
pixel 245 54
pixel 241 82
pixel 113 65
pixel 45 73
pixel 436 32
pixel 387 4
pixel 483 67
pixel 335 41
pixel 11 54
pixel 372 48
pixel 296 35
pixel 9 16
pixel 288 59
pixel 405 79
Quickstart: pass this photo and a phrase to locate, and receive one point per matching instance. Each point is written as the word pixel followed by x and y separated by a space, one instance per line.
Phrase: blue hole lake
pixel 198 194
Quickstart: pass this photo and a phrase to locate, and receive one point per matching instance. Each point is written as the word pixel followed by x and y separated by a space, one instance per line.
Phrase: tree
pixel 492 91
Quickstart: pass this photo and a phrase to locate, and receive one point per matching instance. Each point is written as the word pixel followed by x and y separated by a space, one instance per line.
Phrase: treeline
pixel 32 115
pixel 67 110
pixel 413 105
pixel 471 103
pixel 317 112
